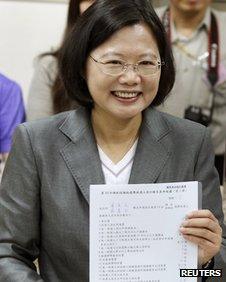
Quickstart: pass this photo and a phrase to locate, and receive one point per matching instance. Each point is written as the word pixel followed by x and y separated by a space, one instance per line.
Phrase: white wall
pixel 26 30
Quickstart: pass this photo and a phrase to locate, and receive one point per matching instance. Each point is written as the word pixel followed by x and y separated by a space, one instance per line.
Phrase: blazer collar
pixel 82 157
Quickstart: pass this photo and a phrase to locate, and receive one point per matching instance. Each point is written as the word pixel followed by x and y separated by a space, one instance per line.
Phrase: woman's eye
pixel 114 62
pixel 147 63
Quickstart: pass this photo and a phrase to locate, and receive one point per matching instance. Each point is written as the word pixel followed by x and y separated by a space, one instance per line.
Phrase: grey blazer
pixel 44 196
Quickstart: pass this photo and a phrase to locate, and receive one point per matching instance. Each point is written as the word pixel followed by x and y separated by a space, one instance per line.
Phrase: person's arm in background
pixel 40 102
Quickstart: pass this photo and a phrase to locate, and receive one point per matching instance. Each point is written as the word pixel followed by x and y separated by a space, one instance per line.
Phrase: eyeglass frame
pixel 126 65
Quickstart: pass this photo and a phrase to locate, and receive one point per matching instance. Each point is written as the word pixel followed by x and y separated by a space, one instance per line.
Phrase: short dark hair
pixel 94 27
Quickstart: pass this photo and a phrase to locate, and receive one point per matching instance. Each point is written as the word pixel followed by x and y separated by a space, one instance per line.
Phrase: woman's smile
pixel 126 97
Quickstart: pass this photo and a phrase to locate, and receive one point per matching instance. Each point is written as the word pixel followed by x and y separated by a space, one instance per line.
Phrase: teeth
pixel 125 94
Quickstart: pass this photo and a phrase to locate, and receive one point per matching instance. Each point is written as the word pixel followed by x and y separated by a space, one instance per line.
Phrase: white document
pixel 134 232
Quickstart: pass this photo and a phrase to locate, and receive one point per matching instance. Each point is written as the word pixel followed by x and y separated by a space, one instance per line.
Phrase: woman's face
pixel 85 5
pixel 126 95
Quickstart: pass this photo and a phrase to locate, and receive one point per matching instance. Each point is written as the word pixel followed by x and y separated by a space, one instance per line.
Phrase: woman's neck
pixel 186 23
pixel 114 135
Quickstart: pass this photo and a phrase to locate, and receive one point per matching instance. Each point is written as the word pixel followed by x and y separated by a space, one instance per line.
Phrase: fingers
pixel 201 214
pixel 201 234
pixel 202 243
pixel 203 224
pixel 207 223
pixel 202 228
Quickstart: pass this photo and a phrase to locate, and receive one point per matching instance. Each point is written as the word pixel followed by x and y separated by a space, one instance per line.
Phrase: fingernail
pixel 184 223
pixel 188 215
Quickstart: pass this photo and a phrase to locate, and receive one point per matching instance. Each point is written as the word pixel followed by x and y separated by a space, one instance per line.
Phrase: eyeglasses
pixel 116 67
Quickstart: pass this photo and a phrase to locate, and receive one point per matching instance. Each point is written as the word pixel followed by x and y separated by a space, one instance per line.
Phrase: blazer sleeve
pixel 206 172
pixel 19 213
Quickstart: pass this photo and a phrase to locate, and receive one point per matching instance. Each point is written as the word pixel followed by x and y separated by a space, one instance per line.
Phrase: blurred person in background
pixel 47 95
pixel 197 35
pixel 12 113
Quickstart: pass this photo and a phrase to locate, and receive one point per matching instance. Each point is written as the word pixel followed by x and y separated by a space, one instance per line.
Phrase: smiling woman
pixel 117 65
pixel 117 89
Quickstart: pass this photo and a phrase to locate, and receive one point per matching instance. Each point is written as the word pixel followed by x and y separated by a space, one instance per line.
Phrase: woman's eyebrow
pixel 113 53
pixel 149 54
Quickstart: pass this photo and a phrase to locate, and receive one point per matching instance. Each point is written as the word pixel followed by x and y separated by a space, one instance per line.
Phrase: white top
pixel 117 173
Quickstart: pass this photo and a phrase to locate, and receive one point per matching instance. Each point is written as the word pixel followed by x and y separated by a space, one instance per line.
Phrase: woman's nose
pixel 130 76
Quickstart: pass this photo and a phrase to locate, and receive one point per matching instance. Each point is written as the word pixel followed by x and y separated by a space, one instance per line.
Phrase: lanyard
pixel 213 45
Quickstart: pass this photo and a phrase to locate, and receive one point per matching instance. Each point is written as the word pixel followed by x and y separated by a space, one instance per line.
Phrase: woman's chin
pixel 127 114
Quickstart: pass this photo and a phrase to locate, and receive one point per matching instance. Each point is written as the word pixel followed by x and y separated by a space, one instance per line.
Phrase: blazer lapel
pixel 81 154
pixel 152 152
pixel 82 158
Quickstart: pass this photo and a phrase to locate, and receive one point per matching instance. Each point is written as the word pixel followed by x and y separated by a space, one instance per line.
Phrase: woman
pixel 47 95
pixel 44 212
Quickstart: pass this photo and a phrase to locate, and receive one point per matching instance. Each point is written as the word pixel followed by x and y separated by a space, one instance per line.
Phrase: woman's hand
pixel 202 228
